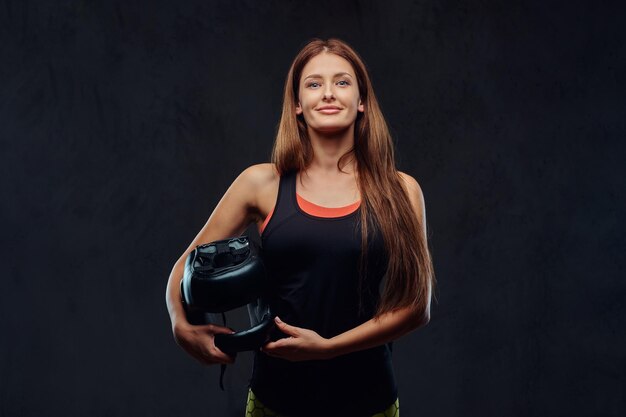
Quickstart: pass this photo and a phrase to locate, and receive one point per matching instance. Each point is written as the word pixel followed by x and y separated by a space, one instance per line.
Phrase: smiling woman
pixel 332 353
pixel 340 95
pixel 338 223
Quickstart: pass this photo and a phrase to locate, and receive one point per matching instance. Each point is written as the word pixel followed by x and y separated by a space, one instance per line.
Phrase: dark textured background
pixel 123 123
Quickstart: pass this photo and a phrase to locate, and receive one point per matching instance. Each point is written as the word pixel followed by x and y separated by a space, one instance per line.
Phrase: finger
pixel 268 352
pixel 224 357
pixel 214 328
pixel 269 348
pixel 286 328
pixel 205 357
pixel 273 345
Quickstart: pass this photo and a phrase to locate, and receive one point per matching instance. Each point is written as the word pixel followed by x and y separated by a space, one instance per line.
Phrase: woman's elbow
pixel 420 319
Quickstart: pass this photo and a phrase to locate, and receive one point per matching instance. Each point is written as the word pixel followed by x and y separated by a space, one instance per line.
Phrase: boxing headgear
pixel 223 275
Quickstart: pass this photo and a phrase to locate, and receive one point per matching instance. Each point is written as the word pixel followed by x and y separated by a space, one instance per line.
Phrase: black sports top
pixel 313 264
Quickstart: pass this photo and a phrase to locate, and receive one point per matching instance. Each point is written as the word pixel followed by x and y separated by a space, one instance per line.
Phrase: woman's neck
pixel 327 149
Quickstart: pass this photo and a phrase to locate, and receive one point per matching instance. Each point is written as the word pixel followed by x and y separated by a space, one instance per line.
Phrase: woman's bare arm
pixel 231 216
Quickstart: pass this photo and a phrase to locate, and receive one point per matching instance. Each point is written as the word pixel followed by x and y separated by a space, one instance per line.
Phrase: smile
pixel 329 111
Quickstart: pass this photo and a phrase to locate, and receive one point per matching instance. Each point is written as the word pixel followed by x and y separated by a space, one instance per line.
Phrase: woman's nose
pixel 328 93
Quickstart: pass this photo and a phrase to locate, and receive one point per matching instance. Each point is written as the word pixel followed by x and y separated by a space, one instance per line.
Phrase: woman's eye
pixel 311 84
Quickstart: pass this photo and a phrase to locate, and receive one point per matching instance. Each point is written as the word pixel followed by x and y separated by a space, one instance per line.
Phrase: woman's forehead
pixel 327 64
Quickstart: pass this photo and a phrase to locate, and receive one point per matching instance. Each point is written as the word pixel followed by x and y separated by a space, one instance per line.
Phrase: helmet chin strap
pixel 223 366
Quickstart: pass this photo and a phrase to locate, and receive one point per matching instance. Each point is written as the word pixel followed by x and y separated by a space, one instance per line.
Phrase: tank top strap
pixel 289 190
pixel 284 208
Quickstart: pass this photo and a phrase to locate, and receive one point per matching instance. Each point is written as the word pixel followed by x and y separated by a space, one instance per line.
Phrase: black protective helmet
pixel 223 275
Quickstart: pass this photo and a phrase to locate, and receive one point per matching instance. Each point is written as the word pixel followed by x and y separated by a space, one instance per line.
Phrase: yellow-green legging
pixel 254 408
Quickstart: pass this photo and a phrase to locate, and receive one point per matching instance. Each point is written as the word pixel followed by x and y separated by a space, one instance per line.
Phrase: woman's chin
pixel 330 128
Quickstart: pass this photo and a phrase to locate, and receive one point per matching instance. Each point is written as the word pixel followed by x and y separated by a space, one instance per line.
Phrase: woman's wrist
pixel 330 349
pixel 178 319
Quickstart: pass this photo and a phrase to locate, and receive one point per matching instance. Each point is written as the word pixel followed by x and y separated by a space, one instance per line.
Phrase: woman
pixel 338 223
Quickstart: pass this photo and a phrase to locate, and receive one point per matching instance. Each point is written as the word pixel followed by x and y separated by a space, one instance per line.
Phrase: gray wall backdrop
pixel 122 123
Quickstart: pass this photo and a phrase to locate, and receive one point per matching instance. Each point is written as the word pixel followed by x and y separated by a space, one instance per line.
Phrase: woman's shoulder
pixel 414 191
pixel 264 180
pixel 410 183
pixel 261 174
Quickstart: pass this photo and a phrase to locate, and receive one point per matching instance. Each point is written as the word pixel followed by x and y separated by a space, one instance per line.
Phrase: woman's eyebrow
pixel 319 76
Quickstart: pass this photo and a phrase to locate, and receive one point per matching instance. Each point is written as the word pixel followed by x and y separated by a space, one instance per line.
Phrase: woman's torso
pixel 312 254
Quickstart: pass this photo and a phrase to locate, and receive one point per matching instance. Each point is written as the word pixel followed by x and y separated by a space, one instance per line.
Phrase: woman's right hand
pixel 199 342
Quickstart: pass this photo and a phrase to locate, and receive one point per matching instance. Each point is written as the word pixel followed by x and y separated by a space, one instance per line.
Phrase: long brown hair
pixel 384 202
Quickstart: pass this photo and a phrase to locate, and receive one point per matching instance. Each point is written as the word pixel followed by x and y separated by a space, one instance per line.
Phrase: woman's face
pixel 328 80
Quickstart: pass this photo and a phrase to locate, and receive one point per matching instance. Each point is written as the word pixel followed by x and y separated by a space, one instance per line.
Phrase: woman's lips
pixel 329 111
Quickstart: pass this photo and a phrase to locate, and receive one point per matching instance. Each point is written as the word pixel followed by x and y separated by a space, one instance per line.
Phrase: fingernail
pixel 278 319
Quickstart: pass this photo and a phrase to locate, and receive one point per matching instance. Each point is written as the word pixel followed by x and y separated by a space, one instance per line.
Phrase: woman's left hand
pixel 302 345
